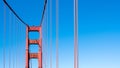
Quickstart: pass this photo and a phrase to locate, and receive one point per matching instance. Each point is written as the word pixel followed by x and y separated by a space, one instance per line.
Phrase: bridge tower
pixel 36 41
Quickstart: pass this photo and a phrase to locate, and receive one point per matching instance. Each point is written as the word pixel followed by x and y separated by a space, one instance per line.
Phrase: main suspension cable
pixel 20 18
pixel 14 12
pixel 43 13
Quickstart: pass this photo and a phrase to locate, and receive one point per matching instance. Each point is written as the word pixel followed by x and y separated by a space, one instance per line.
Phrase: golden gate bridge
pixel 11 24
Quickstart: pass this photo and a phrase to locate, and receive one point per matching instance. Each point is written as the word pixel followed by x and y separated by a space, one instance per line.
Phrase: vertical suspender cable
pixel 4 38
pixel 14 46
pixel 50 33
pixel 47 35
pixel 20 38
pixel 57 30
pixel 9 39
pixel 44 42
pixel 16 50
pixel 31 63
pixel 76 34
pixel 17 44
pixel 17 38
pixel 14 43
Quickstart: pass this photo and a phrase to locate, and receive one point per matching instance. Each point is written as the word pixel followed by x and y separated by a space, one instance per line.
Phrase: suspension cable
pixel 20 18
pixel 76 65
pixel 17 31
pixel 57 30
pixel 43 13
pixel 13 38
pixel 4 56
pixel 46 38
pixel 10 20
pixel 50 33
pixel 14 12
pixel 45 42
pixel 13 57
pixel 31 63
pixel 47 35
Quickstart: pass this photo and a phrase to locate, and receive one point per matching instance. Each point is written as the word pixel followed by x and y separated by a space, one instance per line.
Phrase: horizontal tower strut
pixel 38 42
pixel 33 55
pixel 34 28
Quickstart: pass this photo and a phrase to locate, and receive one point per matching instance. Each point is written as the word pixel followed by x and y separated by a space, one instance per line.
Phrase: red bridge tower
pixel 29 42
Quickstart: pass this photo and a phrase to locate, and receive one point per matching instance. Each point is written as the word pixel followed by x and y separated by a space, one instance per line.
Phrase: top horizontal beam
pixel 34 28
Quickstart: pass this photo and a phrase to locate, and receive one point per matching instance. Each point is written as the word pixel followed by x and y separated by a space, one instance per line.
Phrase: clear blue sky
pixel 99 32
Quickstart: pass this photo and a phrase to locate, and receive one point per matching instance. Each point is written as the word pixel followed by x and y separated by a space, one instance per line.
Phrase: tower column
pixel 35 41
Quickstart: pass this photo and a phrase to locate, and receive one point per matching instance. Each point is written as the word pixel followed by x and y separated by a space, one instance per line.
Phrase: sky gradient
pixel 99 32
